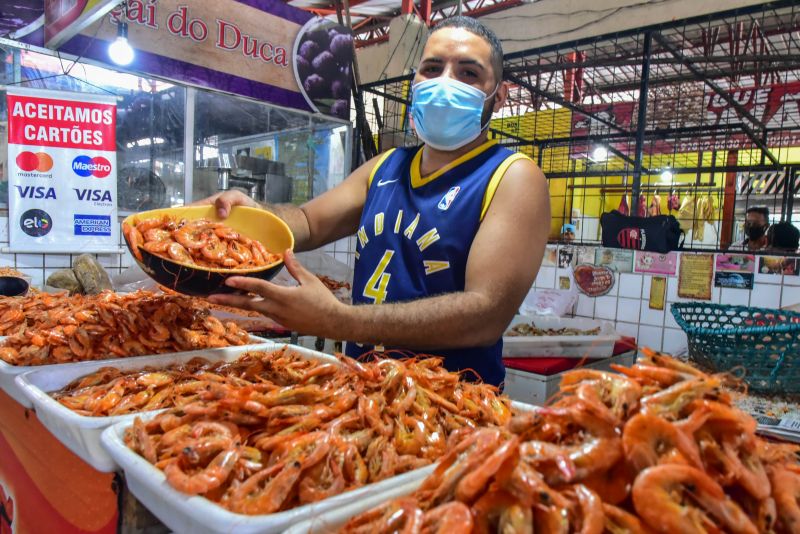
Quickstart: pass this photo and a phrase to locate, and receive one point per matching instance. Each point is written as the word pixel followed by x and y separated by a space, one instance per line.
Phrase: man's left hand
pixel 309 308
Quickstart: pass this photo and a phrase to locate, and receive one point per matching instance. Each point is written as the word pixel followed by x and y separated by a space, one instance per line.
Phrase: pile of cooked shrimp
pixel 295 431
pixel 45 329
pixel 658 448
pixel 197 242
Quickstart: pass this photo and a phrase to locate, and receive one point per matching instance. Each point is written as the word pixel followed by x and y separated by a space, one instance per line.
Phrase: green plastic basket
pixel 764 342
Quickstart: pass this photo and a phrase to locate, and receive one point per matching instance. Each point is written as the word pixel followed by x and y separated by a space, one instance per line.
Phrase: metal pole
pixel 188 145
pixel 641 120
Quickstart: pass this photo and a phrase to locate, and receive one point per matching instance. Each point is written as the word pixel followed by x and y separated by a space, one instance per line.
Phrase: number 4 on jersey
pixel 375 288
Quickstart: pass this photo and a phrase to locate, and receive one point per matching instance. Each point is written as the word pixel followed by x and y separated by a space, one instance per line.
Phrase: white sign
pixel 62 172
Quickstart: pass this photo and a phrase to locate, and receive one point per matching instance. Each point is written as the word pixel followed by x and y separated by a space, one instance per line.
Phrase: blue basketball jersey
pixel 415 235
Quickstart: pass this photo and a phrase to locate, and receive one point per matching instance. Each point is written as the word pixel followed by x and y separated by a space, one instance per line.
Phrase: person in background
pixel 755 228
pixel 568 233
pixel 783 237
pixel 450 234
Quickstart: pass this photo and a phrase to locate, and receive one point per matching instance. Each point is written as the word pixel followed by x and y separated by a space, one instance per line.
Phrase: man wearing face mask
pixel 450 235
pixel 755 228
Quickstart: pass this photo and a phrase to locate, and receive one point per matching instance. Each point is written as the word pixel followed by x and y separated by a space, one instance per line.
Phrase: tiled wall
pixel 627 304
pixel 41 266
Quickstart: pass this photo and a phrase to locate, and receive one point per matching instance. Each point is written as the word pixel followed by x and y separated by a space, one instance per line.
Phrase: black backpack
pixel 661 233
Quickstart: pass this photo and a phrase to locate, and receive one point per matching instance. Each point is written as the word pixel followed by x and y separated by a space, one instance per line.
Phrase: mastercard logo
pixel 30 161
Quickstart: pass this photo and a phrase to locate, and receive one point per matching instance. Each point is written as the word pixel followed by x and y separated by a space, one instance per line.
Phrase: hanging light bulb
pixel 666 175
pixel 120 51
pixel 600 153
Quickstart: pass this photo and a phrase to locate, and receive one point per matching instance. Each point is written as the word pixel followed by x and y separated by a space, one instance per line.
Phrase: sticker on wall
pixel 563 282
pixel 614 258
pixel 550 255
pixel 695 276
pixel 778 265
pixel 733 279
pixel 658 290
pixel 594 280
pixel 565 257
pixel 655 263
pixel 736 263
pixel 585 254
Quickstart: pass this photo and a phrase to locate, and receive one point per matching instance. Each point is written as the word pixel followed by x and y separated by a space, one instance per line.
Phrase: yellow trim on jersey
pixel 417 180
pixel 377 166
pixel 497 177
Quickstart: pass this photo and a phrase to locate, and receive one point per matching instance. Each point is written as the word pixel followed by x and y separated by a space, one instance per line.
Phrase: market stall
pixel 129 402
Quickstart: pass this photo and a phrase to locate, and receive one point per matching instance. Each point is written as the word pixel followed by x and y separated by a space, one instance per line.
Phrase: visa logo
pixel 30 191
pixel 93 195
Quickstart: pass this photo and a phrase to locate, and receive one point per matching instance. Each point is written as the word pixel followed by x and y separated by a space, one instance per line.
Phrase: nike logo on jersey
pixel 381 183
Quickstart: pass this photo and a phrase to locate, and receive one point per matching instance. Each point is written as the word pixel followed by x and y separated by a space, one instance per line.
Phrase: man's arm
pixel 324 219
pixel 502 264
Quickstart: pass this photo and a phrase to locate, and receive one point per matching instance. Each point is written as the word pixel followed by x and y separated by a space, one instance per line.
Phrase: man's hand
pixel 225 200
pixel 309 308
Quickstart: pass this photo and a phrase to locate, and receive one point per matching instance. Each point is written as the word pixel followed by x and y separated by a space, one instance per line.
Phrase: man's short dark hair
pixel 784 236
pixel 760 209
pixel 473 26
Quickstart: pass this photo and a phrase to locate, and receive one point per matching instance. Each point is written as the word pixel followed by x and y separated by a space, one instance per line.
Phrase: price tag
pixel 790 423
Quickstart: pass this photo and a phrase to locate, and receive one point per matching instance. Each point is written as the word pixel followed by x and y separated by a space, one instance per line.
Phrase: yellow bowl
pixel 194 280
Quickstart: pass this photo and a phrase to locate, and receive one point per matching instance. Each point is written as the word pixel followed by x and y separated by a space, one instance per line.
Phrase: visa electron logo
pixel 36 223
pixel 29 191
pixel 30 162
pixel 92 195
pixel 98 166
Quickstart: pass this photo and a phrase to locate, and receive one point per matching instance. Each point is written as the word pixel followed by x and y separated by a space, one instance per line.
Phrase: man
pixel 755 228
pixel 783 238
pixel 568 233
pixel 450 234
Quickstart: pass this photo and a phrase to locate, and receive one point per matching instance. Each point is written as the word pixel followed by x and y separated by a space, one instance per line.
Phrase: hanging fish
pixel 641 209
pixel 674 202
pixel 623 206
pixel 655 206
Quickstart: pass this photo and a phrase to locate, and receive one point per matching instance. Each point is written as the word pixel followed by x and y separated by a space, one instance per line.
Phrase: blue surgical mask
pixel 447 113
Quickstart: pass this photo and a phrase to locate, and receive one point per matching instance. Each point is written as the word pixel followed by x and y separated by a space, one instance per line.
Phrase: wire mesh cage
pixel 697 118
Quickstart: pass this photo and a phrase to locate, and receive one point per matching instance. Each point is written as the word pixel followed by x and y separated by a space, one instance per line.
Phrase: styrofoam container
pixel 8 373
pixel 599 346
pixel 532 388
pixel 80 433
pixel 186 513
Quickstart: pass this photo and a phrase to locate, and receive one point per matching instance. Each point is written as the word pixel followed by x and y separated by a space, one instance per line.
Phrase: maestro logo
pixel 36 223
pixel 98 166
pixel 34 162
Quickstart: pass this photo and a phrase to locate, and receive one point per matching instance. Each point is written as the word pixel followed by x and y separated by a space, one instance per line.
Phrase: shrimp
pixel 499 511
pixel 401 515
pixel 618 392
pixel 650 374
pixel 211 477
pixel 786 492
pixel 592 520
pixel 669 402
pixel 618 521
pixel 450 517
pixel 214 250
pixel 178 253
pixel 649 439
pixel 661 496
pixel 192 236
pixel 266 491
pixel 239 252
pixel 476 481
pixel 134 238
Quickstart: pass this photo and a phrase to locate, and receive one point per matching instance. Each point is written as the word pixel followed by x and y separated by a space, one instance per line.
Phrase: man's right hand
pixel 225 200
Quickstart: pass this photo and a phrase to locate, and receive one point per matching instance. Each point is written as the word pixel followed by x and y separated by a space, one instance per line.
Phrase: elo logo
pixel 36 223
pixel 98 166
pixel 39 162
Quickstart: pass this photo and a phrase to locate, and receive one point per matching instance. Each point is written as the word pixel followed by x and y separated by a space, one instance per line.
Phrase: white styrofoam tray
pixel 599 346
pixel 8 373
pixel 80 433
pixel 186 513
